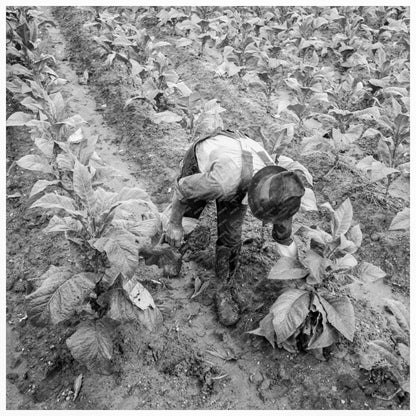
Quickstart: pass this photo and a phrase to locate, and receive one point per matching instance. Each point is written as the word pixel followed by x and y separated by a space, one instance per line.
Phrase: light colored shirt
pixel 220 163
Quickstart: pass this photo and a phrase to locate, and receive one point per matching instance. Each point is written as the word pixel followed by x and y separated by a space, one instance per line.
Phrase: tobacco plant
pixel 106 230
pixel 306 316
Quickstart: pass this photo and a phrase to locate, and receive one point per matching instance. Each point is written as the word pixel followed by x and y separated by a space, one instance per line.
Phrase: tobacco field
pixel 102 104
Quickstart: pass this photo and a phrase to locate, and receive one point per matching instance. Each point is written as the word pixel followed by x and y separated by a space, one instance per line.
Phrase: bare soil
pixel 192 361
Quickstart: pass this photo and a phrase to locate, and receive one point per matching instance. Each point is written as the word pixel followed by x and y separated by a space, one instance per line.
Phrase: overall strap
pixel 246 168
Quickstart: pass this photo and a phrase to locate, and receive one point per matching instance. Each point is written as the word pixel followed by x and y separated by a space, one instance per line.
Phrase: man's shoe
pixel 227 310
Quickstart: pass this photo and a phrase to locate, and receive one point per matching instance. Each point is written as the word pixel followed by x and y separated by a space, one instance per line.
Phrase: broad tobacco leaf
pixel 144 230
pixel 121 249
pixel 346 245
pixel 287 268
pixel 355 235
pixel 123 310
pixel 316 265
pixel 382 350
pixel 55 201
pixel 340 314
pixel 289 311
pixel 378 170
pixel 318 235
pixel 401 221
pixel 59 224
pixel 74 121
pixel 344 140
pixel 59 295
pixel 138 294
pixel 344 263
pixel 369 273
pixel 18 119
pixel 127 193
pixel 36 163
pixel 41 185
pixel 400 188
pixel 92 345
pixel 266 329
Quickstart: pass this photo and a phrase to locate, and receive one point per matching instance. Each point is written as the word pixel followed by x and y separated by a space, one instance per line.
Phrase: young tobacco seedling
pixel 393 151
pixel 392 357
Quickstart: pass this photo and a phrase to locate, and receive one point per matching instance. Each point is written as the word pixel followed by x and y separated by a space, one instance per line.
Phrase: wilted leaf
pixel 77 386
pixel 401 221
pixel 91 344
pixel 324 336
pixel 289 311
pixel 287 268
pixel 122 310
pixel 340 314
pixel 36 163
pixel 385 352
pixel 369 273
pixel 266 329
pixel 400 313
pixel 59 295
pixel 343 218
pixel 404 352
pixel 138 294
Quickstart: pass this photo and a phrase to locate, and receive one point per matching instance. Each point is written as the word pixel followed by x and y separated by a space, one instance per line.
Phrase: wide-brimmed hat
pixel 274 194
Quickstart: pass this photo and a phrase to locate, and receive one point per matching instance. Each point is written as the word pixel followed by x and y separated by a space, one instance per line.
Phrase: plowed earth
pixel 191 362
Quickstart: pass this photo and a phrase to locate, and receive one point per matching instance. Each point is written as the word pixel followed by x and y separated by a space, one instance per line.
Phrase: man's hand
pixel 174 234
